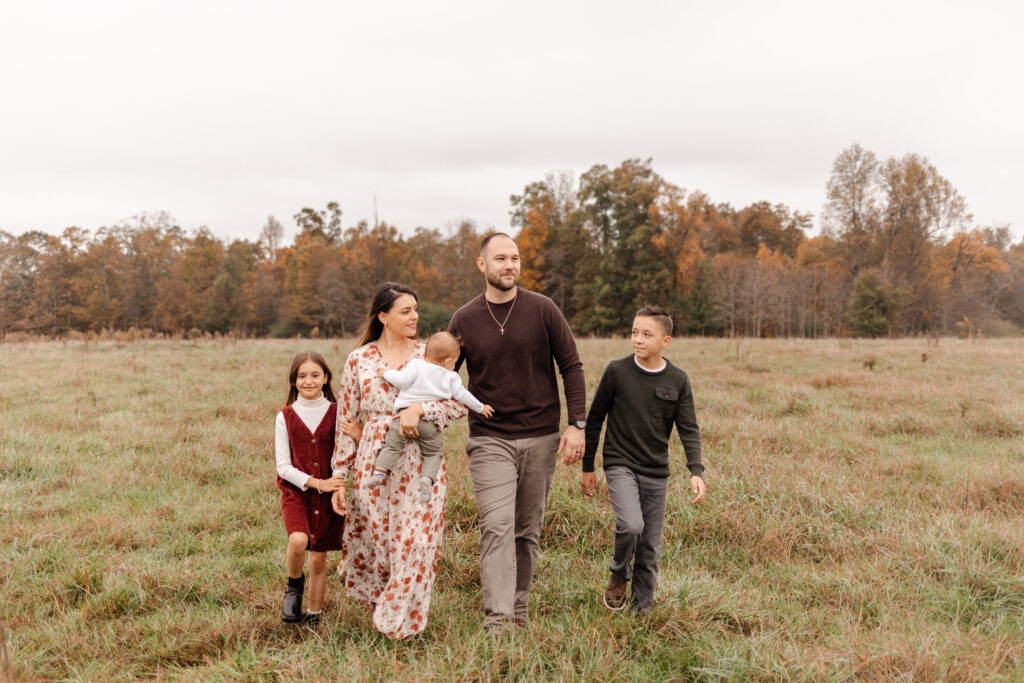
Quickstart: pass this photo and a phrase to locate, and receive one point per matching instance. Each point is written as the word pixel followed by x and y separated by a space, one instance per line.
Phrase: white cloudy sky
pixel 223 113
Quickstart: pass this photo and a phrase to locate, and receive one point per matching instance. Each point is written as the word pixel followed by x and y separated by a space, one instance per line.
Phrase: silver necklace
pixel 501 325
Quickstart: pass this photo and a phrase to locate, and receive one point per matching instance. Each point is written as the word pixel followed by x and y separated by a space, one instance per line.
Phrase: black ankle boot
pixel 291 610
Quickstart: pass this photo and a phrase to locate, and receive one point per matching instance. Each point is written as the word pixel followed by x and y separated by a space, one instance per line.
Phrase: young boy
pixel 431 378
pixel 642 395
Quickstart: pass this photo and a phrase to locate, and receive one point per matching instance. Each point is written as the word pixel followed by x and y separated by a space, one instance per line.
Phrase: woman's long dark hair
pixel 300 358
pixel 382 302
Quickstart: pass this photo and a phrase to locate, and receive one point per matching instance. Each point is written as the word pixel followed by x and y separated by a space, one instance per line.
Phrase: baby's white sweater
pixel 420 381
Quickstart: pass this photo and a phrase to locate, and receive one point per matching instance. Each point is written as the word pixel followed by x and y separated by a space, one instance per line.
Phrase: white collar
pixel 664 364
pixel 306 403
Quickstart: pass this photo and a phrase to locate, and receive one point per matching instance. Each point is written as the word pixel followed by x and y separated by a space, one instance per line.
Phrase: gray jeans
pixel 431 444
pixel 639 505
pixel 511 482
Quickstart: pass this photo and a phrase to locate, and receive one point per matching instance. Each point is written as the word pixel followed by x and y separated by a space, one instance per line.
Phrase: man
pixel 511 340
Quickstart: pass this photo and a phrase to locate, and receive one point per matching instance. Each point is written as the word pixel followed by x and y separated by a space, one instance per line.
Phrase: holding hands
pixel 325 485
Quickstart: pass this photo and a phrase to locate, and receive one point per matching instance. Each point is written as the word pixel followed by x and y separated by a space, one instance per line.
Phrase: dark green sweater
pixel 641 408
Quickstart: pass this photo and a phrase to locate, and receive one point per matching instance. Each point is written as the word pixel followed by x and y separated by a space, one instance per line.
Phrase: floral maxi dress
pixel 392 541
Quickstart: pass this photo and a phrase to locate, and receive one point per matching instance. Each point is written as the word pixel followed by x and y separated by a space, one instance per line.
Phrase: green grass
pixel 861 523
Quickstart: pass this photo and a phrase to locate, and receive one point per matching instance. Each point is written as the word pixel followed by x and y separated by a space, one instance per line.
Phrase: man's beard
pixel 495 281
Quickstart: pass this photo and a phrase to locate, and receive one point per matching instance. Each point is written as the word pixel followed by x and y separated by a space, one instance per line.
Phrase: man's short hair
pixel 660 316
pixel 442 345
pixel 486 240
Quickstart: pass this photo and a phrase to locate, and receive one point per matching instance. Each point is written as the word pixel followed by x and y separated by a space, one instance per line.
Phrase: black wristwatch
pixel 580 424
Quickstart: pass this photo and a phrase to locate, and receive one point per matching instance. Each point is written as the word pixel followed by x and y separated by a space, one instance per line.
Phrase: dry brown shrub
pixel 998 426
pixel 900 425
pixel 1003 495
pixel 905 665
pixel 19 338
pixel 243 413
pixel 831 379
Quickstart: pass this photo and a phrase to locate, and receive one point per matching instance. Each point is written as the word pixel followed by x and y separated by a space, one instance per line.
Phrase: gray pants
pixel 430 440
pixel 511 482
pixel 639 505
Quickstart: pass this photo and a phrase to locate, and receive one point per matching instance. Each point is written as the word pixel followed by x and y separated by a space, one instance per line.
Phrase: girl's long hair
pixel 300 358
pixel 382 302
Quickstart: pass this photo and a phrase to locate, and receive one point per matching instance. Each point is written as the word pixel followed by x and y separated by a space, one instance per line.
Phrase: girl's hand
pixel 332 484
pixel 338 501
pixel 351 429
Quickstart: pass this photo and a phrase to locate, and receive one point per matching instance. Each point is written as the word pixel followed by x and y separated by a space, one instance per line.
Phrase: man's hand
pixel 571 444
pixel 588 483
pixel 697 486
pixel 338 501
pixel 409 421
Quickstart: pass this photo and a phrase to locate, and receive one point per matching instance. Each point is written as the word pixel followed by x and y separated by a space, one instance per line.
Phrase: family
pixel 364 472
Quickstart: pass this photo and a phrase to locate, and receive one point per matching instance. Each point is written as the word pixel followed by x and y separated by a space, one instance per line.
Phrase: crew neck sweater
pixel 312 414
pixel 641 406
pixel 514 371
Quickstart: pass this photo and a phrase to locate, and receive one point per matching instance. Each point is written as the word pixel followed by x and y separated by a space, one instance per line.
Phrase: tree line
pixel 898 254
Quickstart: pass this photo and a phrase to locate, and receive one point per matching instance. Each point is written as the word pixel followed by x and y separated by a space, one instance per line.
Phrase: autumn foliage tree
pixel 897 254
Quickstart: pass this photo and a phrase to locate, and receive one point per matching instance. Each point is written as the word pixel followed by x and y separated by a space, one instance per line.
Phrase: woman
pixel 392 540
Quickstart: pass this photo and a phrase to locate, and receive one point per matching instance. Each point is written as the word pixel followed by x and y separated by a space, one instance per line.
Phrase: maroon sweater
pixel 514 372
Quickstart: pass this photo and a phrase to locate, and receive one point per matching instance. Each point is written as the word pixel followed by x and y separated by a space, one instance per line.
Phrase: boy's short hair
pixel 442 345
pixel 660 315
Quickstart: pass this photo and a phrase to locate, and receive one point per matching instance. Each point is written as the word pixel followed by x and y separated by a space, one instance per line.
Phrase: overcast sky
pixel 224 113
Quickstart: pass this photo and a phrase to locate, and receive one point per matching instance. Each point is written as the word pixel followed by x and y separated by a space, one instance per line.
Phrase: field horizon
pixel 863 522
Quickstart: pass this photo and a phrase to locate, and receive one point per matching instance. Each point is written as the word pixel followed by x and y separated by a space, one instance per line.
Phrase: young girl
pixel 304 443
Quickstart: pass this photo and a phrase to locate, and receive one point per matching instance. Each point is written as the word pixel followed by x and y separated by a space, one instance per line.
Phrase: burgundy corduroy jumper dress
pixel 308 511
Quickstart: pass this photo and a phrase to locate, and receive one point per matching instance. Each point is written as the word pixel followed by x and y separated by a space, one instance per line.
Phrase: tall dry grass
pixel 863 522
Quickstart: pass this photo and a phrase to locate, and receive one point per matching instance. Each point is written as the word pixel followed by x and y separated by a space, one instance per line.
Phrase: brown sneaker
pixel 615 595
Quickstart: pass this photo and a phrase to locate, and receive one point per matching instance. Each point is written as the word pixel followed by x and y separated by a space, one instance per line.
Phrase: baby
pixel 431 378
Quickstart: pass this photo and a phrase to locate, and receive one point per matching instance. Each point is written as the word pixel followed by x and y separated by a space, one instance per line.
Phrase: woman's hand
pixel 338 501
pixel 350 428
pixel 409 420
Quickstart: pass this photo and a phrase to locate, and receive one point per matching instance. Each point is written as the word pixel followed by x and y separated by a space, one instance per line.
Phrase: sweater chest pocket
pixel 664 402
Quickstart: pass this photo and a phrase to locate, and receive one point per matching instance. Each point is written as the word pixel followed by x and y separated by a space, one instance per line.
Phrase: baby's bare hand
pixel 488 411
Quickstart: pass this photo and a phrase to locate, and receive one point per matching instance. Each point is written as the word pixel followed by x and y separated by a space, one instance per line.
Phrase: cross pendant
pixel 502 330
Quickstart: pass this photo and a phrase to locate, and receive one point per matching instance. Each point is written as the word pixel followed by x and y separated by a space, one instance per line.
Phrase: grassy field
pixel 864 521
